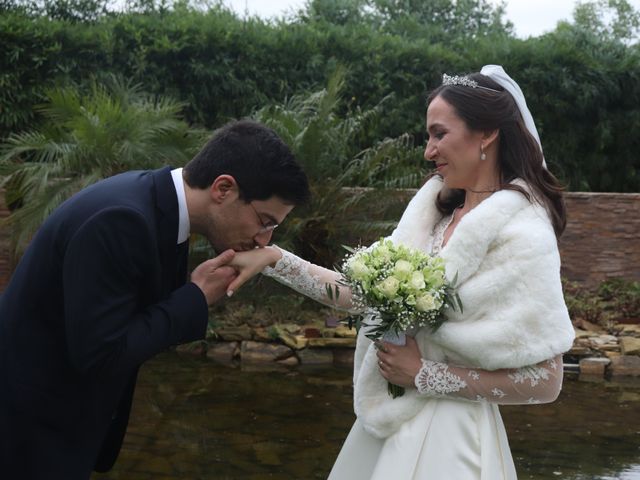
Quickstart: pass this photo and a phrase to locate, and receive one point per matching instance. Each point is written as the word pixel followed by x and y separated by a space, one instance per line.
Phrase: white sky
pixel 529 17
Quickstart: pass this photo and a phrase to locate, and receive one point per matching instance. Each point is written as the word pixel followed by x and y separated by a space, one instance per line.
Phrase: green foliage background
pixel 582 81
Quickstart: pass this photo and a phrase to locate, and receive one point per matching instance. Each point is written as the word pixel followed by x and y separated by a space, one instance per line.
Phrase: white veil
pixel 498 75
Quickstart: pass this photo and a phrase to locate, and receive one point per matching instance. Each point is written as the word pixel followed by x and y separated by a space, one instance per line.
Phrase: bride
pixel 493 212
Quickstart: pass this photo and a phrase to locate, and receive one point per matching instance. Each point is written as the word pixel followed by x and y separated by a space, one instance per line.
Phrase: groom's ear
pixel 223 188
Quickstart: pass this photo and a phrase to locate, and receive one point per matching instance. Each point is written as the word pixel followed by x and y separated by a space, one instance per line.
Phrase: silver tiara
pixel 464 82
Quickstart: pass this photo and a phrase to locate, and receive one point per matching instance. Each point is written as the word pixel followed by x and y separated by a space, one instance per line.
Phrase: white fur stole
pixel 506 258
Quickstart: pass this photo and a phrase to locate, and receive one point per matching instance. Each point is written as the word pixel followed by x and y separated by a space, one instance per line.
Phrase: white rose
pixel 416 281
pixel 382 252
pixel 389 287
pixel 402 269
pixel 434 278
pixel 359 271
pixel 425 302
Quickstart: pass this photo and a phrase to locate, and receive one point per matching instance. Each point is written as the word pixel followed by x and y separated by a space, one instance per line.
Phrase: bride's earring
pixel 483 156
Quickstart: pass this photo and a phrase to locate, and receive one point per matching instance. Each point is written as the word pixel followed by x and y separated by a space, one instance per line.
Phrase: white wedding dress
pixel 458 434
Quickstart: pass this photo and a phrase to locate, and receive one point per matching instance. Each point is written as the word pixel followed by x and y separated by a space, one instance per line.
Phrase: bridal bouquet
pixel 403 287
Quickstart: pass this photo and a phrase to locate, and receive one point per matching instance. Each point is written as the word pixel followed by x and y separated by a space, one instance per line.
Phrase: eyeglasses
pixel 266 227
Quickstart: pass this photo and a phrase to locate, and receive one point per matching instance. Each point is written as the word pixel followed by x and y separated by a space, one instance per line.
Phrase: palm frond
pixel 85 137
pixel 325 143
pixel 26 220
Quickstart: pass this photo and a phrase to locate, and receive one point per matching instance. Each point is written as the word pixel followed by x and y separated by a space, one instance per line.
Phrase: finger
pixel 411 343
pixel 226 274
pixel 380 346
pixel 384 358
pixel 240 280
pixel 222 259
pixel 388 347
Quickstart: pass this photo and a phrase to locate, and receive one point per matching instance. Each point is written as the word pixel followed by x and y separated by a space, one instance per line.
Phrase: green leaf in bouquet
pixel 395 390
pixel 349 249
pixel 457 298
pixel 329 288
pixel 354 321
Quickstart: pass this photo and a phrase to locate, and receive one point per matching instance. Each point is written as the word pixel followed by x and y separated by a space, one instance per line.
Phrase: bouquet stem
pixel 397 338
pixel 395 390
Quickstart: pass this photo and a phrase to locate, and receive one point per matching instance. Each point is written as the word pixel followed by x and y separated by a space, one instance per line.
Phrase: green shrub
pixel 584 304
pixel 613 300
pixel 622 297
pixel 582 86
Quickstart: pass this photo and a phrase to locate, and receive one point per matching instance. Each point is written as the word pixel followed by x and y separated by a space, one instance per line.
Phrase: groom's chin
pixel 219 248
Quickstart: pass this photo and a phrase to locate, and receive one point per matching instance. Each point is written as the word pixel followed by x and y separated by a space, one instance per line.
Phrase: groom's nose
pixel 263 239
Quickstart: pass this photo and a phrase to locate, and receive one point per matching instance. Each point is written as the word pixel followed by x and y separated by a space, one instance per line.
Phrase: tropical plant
pixel 313 127
pixel 84 138
pixel 342 181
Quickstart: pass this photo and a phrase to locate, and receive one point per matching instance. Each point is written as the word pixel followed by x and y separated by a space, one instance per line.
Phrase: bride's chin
pixel 448 183
pixel 452 184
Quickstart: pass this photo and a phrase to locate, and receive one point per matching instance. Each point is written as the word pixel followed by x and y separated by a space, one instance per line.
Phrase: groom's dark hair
pixel 261 163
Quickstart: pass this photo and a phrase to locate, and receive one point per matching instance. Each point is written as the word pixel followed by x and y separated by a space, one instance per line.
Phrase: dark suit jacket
pixel 99 291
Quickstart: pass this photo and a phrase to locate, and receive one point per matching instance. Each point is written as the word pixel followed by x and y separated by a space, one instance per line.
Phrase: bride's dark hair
pixel 519 155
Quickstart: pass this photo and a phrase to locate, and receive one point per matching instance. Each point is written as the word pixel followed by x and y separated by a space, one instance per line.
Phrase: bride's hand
pixel 400 364
pixel 250 263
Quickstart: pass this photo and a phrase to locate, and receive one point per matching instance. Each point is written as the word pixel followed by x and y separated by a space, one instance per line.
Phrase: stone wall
pixel 602 239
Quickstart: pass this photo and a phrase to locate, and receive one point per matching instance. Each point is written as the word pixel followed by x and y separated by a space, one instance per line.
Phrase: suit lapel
pixel 167 229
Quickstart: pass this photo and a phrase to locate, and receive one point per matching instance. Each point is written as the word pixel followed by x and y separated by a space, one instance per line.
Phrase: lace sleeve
pixel 540 383
pixel 310 280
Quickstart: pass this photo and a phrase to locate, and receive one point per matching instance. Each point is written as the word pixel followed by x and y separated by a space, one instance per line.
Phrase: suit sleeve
pixel 107 266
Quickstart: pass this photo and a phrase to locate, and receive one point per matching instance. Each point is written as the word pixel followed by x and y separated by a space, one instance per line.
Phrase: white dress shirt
pixel 183 213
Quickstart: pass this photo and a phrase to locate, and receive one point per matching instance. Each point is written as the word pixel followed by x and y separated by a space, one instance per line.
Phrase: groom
pixel 103 287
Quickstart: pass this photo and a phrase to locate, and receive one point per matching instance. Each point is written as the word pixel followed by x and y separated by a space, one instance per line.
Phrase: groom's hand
pixel 214 276
pixel 250 263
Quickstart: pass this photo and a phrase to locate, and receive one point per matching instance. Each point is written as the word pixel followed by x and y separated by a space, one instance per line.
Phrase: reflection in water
pixel 592 432
pixel 194 420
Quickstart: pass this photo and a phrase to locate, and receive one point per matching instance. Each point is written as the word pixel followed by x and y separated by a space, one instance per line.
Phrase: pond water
pixel 196 420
